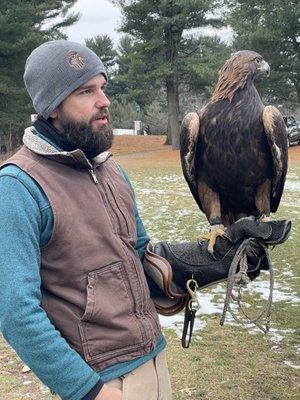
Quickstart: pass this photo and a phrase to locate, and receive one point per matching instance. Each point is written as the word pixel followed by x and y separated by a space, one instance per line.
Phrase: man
pixel 75 302
pixel 66 82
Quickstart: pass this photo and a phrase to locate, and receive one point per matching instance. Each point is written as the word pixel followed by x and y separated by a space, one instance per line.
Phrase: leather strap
pixel 188 325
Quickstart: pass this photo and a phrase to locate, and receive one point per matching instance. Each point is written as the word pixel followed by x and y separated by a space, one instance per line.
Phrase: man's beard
pixel 82 136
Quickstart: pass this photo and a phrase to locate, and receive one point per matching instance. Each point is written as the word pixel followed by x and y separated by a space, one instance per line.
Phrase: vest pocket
pixel 108 326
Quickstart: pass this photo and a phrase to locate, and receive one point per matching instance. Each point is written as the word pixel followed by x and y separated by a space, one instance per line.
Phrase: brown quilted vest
pixel 93 285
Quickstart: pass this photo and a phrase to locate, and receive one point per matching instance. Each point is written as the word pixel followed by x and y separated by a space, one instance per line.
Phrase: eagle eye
pixel 257 60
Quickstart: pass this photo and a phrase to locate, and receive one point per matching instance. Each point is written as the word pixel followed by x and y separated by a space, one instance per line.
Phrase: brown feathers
pixel 234 152
pixel 234 75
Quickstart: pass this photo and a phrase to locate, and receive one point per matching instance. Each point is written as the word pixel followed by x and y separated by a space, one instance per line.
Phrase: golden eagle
pixel 234 150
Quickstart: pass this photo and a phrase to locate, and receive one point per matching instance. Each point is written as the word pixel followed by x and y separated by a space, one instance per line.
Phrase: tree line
pixel 165 64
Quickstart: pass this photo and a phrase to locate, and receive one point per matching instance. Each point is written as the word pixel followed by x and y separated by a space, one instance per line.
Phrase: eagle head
pixel 242 66
pixel 249 61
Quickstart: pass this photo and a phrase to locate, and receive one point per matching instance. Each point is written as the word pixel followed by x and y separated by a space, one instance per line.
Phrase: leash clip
pixel 192 288
pixel 190 312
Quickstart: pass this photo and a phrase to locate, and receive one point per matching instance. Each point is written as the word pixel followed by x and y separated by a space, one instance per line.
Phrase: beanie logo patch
pixel 76 60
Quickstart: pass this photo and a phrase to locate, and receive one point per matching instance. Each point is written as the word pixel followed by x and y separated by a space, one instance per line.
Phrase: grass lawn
pixel 229 362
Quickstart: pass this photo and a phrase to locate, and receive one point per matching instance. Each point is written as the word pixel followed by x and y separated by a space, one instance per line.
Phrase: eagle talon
pixel 264 218
pixel 214 232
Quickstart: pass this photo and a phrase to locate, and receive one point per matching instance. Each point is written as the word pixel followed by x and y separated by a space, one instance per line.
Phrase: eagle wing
pixel 276 134
pixel 189 135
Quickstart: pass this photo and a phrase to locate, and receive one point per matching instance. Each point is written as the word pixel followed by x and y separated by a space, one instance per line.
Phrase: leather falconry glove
pixel 170 266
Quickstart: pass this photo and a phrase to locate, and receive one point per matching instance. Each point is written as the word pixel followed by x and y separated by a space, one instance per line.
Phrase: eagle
pixel 234 150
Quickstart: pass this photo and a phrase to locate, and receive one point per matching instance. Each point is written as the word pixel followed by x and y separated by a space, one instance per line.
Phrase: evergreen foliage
pixel 272 29
pixel 23 26
pixel 160 70
pixel 123 113
pixel 103 46
pixel 158 28
pixel 156 118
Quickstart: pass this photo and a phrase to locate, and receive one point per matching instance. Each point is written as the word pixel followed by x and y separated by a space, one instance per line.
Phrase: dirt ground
pixel 131 149
pixel 126 144
pixel 294 155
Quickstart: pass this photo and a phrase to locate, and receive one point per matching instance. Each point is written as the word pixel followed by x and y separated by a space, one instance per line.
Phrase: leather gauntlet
pixel 170 266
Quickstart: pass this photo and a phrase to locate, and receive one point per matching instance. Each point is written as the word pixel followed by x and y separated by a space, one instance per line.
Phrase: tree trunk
pixel 173 110
pixel 173 34
pixel 169 134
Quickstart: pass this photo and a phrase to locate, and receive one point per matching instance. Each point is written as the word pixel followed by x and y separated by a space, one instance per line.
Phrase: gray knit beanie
pixel 55 69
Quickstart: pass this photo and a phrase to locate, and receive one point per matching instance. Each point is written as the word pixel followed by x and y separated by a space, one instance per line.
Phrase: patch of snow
pixel 281 291
pixel 276 336
pixel 292 185
pixel 207 304
pixel 288 273
pixel 176 322
pixel 290 364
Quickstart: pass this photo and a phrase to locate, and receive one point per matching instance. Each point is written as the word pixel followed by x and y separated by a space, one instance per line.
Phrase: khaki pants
pixel 150 381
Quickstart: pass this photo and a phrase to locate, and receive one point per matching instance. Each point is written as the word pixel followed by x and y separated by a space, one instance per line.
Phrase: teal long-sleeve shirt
pixel 26 223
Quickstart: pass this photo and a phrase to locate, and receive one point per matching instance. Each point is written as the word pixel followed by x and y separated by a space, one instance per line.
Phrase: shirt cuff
pixel 92 394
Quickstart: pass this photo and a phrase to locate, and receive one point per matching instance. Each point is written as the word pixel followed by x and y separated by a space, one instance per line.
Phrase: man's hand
pixel 107 393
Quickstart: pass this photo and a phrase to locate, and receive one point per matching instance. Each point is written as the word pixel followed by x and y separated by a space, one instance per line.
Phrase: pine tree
pixel 158 27
pixel 23 26
pixel 272 29
pixel 137 76
pixel 103 46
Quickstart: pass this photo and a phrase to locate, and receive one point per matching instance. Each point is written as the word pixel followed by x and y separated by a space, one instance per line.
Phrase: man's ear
pixel 54 113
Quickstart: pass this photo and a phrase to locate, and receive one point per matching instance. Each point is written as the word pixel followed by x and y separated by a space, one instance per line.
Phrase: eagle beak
pixel 264 67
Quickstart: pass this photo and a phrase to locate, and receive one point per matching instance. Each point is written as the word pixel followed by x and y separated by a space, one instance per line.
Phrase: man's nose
pixel 102 101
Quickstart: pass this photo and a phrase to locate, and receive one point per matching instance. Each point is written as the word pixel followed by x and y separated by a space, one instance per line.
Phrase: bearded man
pixel 75 301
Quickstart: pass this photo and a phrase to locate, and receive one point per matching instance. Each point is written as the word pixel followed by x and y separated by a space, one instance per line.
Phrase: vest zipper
pixel 93 175
pixel 118 207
